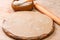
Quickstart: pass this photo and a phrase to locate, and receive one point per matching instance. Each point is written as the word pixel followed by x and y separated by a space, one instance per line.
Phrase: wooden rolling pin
pixel 43 10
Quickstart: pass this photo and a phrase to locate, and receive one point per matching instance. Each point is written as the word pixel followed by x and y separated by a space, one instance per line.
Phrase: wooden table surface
pixel 51 5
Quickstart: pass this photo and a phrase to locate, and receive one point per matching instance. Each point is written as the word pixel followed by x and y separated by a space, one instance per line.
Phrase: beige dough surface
pixel 28 24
